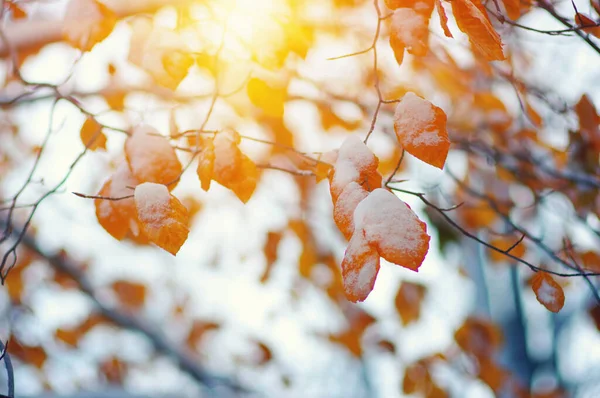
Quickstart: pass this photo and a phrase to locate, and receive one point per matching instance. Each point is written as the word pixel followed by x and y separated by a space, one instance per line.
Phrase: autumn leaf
pixel 421 129
pixel 151 157
pixel 162 217
pixel 91 135
pixel 587 24
pixel 270 251
pixel 359 269
pixel 472 19
pixel 343 211
pixel 389 225
pixel 549 293
pixel 86 23
pixel 478 337
pixel 408 301
pixel 267 97
pixel 513 8
pixel 384 226
pixel 355 163
pixel 409 30
pixel 118 216
pixel 132 295
pixel 230 167
pixel 443 18
pixel 206 163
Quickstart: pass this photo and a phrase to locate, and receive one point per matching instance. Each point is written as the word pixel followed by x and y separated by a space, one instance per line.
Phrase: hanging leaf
pixel 266 97
pixel 151 157
pixel 513 9
pixel 359 268
pixel 443 18
pixel 355 163
pixel 224 162
pixel 86 23
pixel 130 294
pixel 478 337
pixel 421 129
pixel 472 19
pixel 270 251
pixel 587 24
pixel 409 30
pixel 163 218
pixel 91 135
pixel 549 293
pixel 118 217
pixel 390 226
pixel 408 301
pixel 343 211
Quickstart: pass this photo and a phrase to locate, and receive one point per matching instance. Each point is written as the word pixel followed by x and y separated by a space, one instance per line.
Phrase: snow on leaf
pixel 91 135
pixel 232 168
pixel 162 217
pixel 472 19
pixel 86 23
pixel 421 129
pixel 359 268
pixel 117 217
pixel 389 225
pixel 151 158
pixel 409 29
pixel 343 211
pixel 355 162
pixel 549 293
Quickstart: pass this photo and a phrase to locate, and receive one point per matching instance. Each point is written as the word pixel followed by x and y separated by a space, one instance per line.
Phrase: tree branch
pixel 31 34
pixel 185 362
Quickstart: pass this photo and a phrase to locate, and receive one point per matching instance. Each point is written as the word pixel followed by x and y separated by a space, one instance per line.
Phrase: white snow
pixel 409 27
pixel 150 155
pixel 546 293
pixel 353 157
pixel 152 203
pixel 359 279
pixel 391 225
pixel 414 122
pixel 344 208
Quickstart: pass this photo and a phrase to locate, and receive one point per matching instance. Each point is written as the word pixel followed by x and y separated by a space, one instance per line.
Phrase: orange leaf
pixel 91 135
pixel 443 18
pixel 86 23
pixel 472 19
pixel 359 269
pixel 343 211
pixel 549 293
pixel 206 163
pixel 270 251
pixel 421 129
pixel 513 8
pixel 478 337
pixel 232 168
pixel 162 217
pixel 197 332
pixel 355 163
pixel 117 217
pixel 389 225
pixel 408 301
pixel 17 12
pixel 587 24
pixel 133 295
pixel 34 355
pixel 409 30
pixel 151 158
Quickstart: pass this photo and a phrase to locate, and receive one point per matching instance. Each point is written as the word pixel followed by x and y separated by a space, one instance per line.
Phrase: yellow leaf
pixel 91 135
pixel 270 99
pixel 86 23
